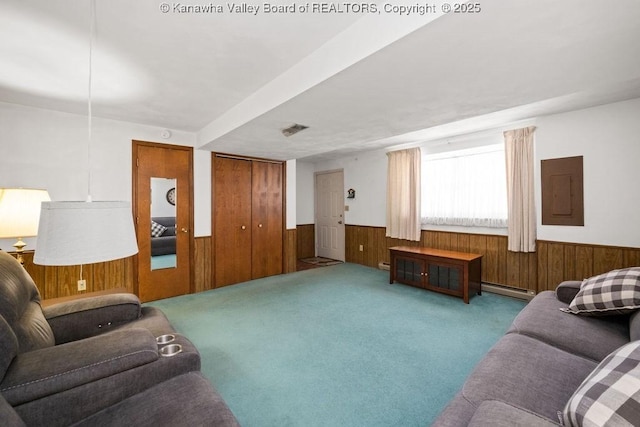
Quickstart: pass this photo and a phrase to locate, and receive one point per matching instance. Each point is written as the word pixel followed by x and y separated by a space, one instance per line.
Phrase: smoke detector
pixel 293 129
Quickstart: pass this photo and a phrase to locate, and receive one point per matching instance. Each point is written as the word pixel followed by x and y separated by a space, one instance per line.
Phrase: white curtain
pixel 403 194
pixel 520 190
pixel 467 188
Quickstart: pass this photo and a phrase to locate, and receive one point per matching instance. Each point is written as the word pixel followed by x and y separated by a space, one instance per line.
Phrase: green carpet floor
pixel 337 346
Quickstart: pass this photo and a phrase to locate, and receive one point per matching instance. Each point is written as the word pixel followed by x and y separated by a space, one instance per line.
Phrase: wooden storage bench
pixel 453 273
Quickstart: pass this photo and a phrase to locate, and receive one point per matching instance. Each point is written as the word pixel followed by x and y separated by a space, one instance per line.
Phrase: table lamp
pixel 19 215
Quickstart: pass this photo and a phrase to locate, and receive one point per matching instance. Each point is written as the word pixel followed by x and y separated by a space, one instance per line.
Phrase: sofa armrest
pixel 566 291
pixel 86 317
pixel 44 372
pixel 500 414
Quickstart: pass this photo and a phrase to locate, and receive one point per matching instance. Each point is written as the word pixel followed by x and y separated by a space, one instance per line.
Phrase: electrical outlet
pixel 82 285
pixel 361 248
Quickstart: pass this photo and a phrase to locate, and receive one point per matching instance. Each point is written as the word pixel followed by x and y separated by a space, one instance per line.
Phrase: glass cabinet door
pixel 445 277
pixel 409 270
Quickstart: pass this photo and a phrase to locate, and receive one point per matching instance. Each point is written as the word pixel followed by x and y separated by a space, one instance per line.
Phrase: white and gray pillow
pixel 157 229
pixel 615 292
pixel 610 395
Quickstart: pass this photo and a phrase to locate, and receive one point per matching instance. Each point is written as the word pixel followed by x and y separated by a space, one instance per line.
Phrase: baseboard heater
pixel 509 291
pixel 384 266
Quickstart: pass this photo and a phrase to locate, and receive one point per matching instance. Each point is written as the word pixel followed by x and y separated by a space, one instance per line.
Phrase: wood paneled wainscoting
pixel 306 241
pixel 542 270
pixel 558 261
pixel 55 282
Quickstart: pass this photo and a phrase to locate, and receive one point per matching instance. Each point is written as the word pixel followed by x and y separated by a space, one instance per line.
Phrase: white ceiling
pixel 359 81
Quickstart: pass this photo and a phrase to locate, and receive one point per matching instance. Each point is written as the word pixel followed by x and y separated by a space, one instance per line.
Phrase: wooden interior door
pixel 231 220
pixel 151 160
pixel 267 219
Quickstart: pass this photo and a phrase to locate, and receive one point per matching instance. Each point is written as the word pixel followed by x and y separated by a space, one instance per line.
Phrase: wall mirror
pixel 163 223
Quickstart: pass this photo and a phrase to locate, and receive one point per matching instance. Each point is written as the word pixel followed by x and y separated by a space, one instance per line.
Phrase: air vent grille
pixel 293 129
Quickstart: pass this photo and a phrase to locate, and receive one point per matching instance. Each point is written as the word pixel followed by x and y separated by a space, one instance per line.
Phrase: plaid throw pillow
pixel 610 395
pixel 615 292
pixel 157 229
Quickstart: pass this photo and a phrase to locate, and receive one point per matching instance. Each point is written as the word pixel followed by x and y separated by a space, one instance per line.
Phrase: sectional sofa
pixel 96 361
pixel 571 357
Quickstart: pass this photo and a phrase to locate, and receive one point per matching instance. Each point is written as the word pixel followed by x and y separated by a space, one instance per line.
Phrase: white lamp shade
pixel 73 233
pixel 20 211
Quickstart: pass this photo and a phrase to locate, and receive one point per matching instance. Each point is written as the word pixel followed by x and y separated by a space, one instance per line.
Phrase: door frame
pixel 134 205
pixel 315 212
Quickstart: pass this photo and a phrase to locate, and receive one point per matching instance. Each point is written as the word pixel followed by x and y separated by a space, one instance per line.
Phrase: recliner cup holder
pixel 170 350
pixel 165 339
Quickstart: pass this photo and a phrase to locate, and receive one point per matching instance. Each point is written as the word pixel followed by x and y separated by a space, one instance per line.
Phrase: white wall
pixel 608 138
pixel 366 173
pixel 305 185
pixel 48 149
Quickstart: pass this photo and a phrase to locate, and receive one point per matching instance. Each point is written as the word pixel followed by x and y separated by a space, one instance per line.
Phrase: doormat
pixel 318 260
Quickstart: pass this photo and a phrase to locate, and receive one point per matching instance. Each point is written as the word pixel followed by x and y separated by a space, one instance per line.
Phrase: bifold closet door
pixel 232 220
pixel 267 219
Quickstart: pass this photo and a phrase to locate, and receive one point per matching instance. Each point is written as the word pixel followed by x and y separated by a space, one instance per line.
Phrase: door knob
pixel 243 227
pixel 259 225
pixel 339 222
pixel 184 230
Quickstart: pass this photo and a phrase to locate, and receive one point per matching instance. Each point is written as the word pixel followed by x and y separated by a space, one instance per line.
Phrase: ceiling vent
pixel 292 130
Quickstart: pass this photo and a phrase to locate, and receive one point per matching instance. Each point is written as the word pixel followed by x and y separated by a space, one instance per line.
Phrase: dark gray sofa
pixel 95 361
pixel 166 243
pixel 534 369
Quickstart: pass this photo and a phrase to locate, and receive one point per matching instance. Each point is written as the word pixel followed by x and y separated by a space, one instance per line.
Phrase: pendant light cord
pixel 92 22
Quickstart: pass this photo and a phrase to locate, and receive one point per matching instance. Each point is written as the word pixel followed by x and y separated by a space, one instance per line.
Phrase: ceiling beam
pixel 366 36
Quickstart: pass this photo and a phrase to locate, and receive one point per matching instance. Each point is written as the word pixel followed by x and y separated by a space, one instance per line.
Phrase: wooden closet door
pixel 267 221
pixel 232 220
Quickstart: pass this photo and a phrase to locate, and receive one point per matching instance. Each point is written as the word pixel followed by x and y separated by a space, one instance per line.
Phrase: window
pixel 465 187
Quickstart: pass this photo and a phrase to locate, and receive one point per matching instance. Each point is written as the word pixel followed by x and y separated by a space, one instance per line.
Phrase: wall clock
pixel 171 196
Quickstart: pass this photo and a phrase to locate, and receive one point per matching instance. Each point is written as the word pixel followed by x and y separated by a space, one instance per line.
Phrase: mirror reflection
pixel 163 223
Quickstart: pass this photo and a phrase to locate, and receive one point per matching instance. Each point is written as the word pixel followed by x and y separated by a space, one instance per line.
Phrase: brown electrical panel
pixel 562 191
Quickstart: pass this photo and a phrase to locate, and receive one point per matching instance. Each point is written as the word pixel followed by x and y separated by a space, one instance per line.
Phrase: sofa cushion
pixel 40 373
pixel 528 374
pixel 610 395
pixel 457 413
pixel 8 415
pixel 185 400
pixel 157 229
pixel 8 346
pixel 599 336
pixel 634 326
pixel 615 292
pixel 500 414
pixel 20 306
